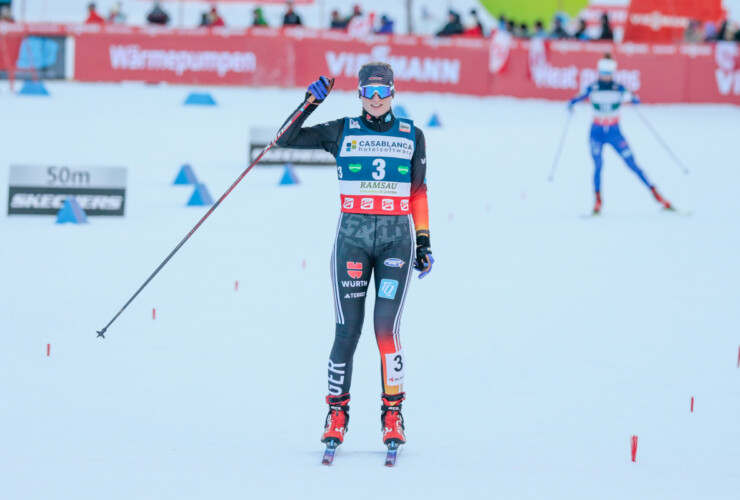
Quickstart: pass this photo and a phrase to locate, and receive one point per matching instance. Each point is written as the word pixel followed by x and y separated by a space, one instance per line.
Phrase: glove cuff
pixel 422 240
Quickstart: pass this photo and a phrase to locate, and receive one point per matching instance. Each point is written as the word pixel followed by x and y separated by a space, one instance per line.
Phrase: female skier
pixel 381 166
pixel 607 96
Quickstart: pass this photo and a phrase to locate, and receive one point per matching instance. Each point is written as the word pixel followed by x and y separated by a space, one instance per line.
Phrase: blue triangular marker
pixel 186 175
pixel 72 212
pixel 289 176
pixel 200 99
pixel 201 196
pixel 400 112
pixel 31 87
pixel 434 121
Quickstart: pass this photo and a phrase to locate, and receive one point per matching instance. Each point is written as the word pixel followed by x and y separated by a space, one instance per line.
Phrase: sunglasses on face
pixel 369 91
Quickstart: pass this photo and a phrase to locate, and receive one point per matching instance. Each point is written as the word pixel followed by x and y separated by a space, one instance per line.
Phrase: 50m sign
pixel 42 190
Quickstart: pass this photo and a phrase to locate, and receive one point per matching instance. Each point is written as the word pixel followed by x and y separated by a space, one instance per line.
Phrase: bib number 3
pixel 379 165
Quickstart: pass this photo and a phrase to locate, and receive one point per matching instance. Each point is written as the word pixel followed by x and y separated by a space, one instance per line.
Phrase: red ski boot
pixel 660 199
pixel 597 204
pixel 392 419
pixel 337 419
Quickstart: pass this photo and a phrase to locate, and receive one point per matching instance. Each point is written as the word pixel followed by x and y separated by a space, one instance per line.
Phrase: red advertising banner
pixel 419 65
pixel 194 59
pixel 289 57
pixel 666 20
pixel 658 73
pixel 293 57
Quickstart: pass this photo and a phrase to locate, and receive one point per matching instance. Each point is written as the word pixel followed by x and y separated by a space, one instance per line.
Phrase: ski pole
pixel 560 147
pixel 661 141
pixel 101 333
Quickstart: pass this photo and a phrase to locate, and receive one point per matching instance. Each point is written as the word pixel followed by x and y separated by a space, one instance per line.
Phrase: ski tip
pixel 676 211
pixel 331 448
pixel 390 457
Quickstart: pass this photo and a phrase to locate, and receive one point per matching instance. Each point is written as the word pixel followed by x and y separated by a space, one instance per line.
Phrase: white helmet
pixel 607 66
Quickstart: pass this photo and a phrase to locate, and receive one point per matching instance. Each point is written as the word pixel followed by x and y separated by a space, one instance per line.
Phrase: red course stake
pixel 738 357
pixel 692 404
pixel 236 286
pixel 634 448
pixel 48 349
pixel 154 313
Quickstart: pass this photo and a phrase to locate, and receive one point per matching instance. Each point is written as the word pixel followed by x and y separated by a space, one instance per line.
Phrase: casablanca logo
pixel 355 167
pixel 403 169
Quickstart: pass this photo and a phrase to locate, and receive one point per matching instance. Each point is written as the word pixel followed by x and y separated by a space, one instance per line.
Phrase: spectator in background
pixel 606 28
pixel 710 31
pixel 258 18
pixel 116 15
pixel 581 31
pixel 453 26
pixel 214 18
pixel 356 12
pixel 539 30
pixel 510 26
pixel 6 16
pixel 694 32
pixel 205 20
pixel 557 28
pixel 291 18
pixel 386 26
pixel 522 31
pixel 337 22
pixel 720 34
pixel 476 29
pixel 92 15
pixel 727 32
pixel 157 15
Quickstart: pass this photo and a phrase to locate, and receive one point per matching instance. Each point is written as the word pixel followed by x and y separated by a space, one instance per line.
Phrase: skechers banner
pixel 42 190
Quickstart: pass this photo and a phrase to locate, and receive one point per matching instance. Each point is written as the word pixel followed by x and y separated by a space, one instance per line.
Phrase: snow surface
pixel 540 343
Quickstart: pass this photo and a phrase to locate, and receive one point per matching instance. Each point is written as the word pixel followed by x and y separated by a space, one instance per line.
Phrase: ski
pixel 390 457
pixel 331 448
pixel 676 211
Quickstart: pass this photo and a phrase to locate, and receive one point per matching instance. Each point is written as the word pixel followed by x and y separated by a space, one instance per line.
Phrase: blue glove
pixel 424 259
pixel 635 99
pixel 320 88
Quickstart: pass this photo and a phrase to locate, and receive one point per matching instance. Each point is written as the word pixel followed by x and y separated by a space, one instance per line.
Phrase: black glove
pixel 424 258
pixel 320 88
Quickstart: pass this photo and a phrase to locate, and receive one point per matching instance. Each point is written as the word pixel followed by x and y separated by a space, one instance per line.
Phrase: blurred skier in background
pixel 381 166
pixel 606 96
